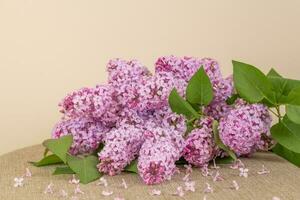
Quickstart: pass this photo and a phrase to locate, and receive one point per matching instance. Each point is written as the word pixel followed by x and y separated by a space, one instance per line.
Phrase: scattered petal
pixel 176 171
pixel 217 177
pixel 74 180
pixel 49 189
pixel 155 192
pixel 179 192
pixel 208 189
pixel 19 182
pixel 275 198
pixel 102 181
pixel 63 193
pixel 237 164
pixel 190 186
pixel 78 190
pixel 204 198
pixel 188 169
pixel 205 171
pixel 186 178
pixel 107 193
pixel 28 173
pixel 235 185
pixel 244 172
pixel 124 184
pixel 263 171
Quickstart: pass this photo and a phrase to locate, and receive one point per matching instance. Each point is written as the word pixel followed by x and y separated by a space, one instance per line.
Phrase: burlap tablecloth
pixel 283 181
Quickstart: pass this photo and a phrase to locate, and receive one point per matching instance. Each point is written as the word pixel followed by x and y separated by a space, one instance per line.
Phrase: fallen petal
pixel 155 192
pixel 107 193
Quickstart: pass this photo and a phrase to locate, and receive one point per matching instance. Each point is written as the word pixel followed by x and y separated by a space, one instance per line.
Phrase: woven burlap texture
pixel 283 181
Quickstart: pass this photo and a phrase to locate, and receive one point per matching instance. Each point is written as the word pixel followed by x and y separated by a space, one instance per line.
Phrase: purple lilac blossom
pixel 200 147
pixel 122 145
pixel 87 134
pixel 127 77
pixel 186 67
pixel 218 108
pixel 243 127
pixel 158 154
pixel 155 91
pixel 98 103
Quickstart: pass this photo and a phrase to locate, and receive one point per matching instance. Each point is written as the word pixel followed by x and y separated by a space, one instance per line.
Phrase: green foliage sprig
pixel 199 93
pixel 252 85
pixel 277 93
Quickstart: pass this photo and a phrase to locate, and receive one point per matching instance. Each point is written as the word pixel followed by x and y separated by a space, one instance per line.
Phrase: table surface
pixel 283 181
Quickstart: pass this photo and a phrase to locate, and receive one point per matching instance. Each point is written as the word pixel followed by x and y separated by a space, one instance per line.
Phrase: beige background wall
pixel 51 47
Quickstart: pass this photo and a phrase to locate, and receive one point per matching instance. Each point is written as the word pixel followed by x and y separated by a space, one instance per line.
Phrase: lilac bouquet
pixel 145 123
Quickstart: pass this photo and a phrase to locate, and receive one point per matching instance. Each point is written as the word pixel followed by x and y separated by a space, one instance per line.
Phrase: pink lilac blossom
pixel 155 92
pixel 156 162
pixel 166 118
pixel 200 148
pixel 184 68
pixel 126 77
pixel 242 129
pixel 121 147
pixel 99 102
pixel 218 108
pixel 87 134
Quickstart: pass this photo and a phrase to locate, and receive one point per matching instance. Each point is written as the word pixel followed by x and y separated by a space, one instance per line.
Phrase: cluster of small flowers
pixel 132 117
pixel 243 127
pixel 200 147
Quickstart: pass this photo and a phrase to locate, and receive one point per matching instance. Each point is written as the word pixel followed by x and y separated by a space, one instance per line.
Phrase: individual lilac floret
pixel 242 129
pixel 98 102
pixel 126 77
pixel 87 134
pixel 154 93
pixel 121 147
pixel 200 147
pixel 156 162
pixel 186 67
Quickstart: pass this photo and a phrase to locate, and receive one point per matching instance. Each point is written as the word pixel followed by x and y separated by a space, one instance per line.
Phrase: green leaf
pixel 181 161
pixel 48 160
pixel 85 168
pixel 232 99
pixel 132 167
pixel 283 87
pixel 287 154
pixel 293 113
pixel 199 89
pixel 63 170
pixel 294 97
pixel 100 147
pixel 219 142
pixel 224 160
pixel 273 73
pixel 180 106
pixel 278 83
pixel 251 83
pixel 46 152
pixel 59 146
pixel 287 134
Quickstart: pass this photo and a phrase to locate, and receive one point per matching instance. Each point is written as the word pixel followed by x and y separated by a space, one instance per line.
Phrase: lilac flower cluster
pixel 87 134
pixel 200 147
pixel 243 127
pixel 158 154
pixel 131 116
pixel 121 147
